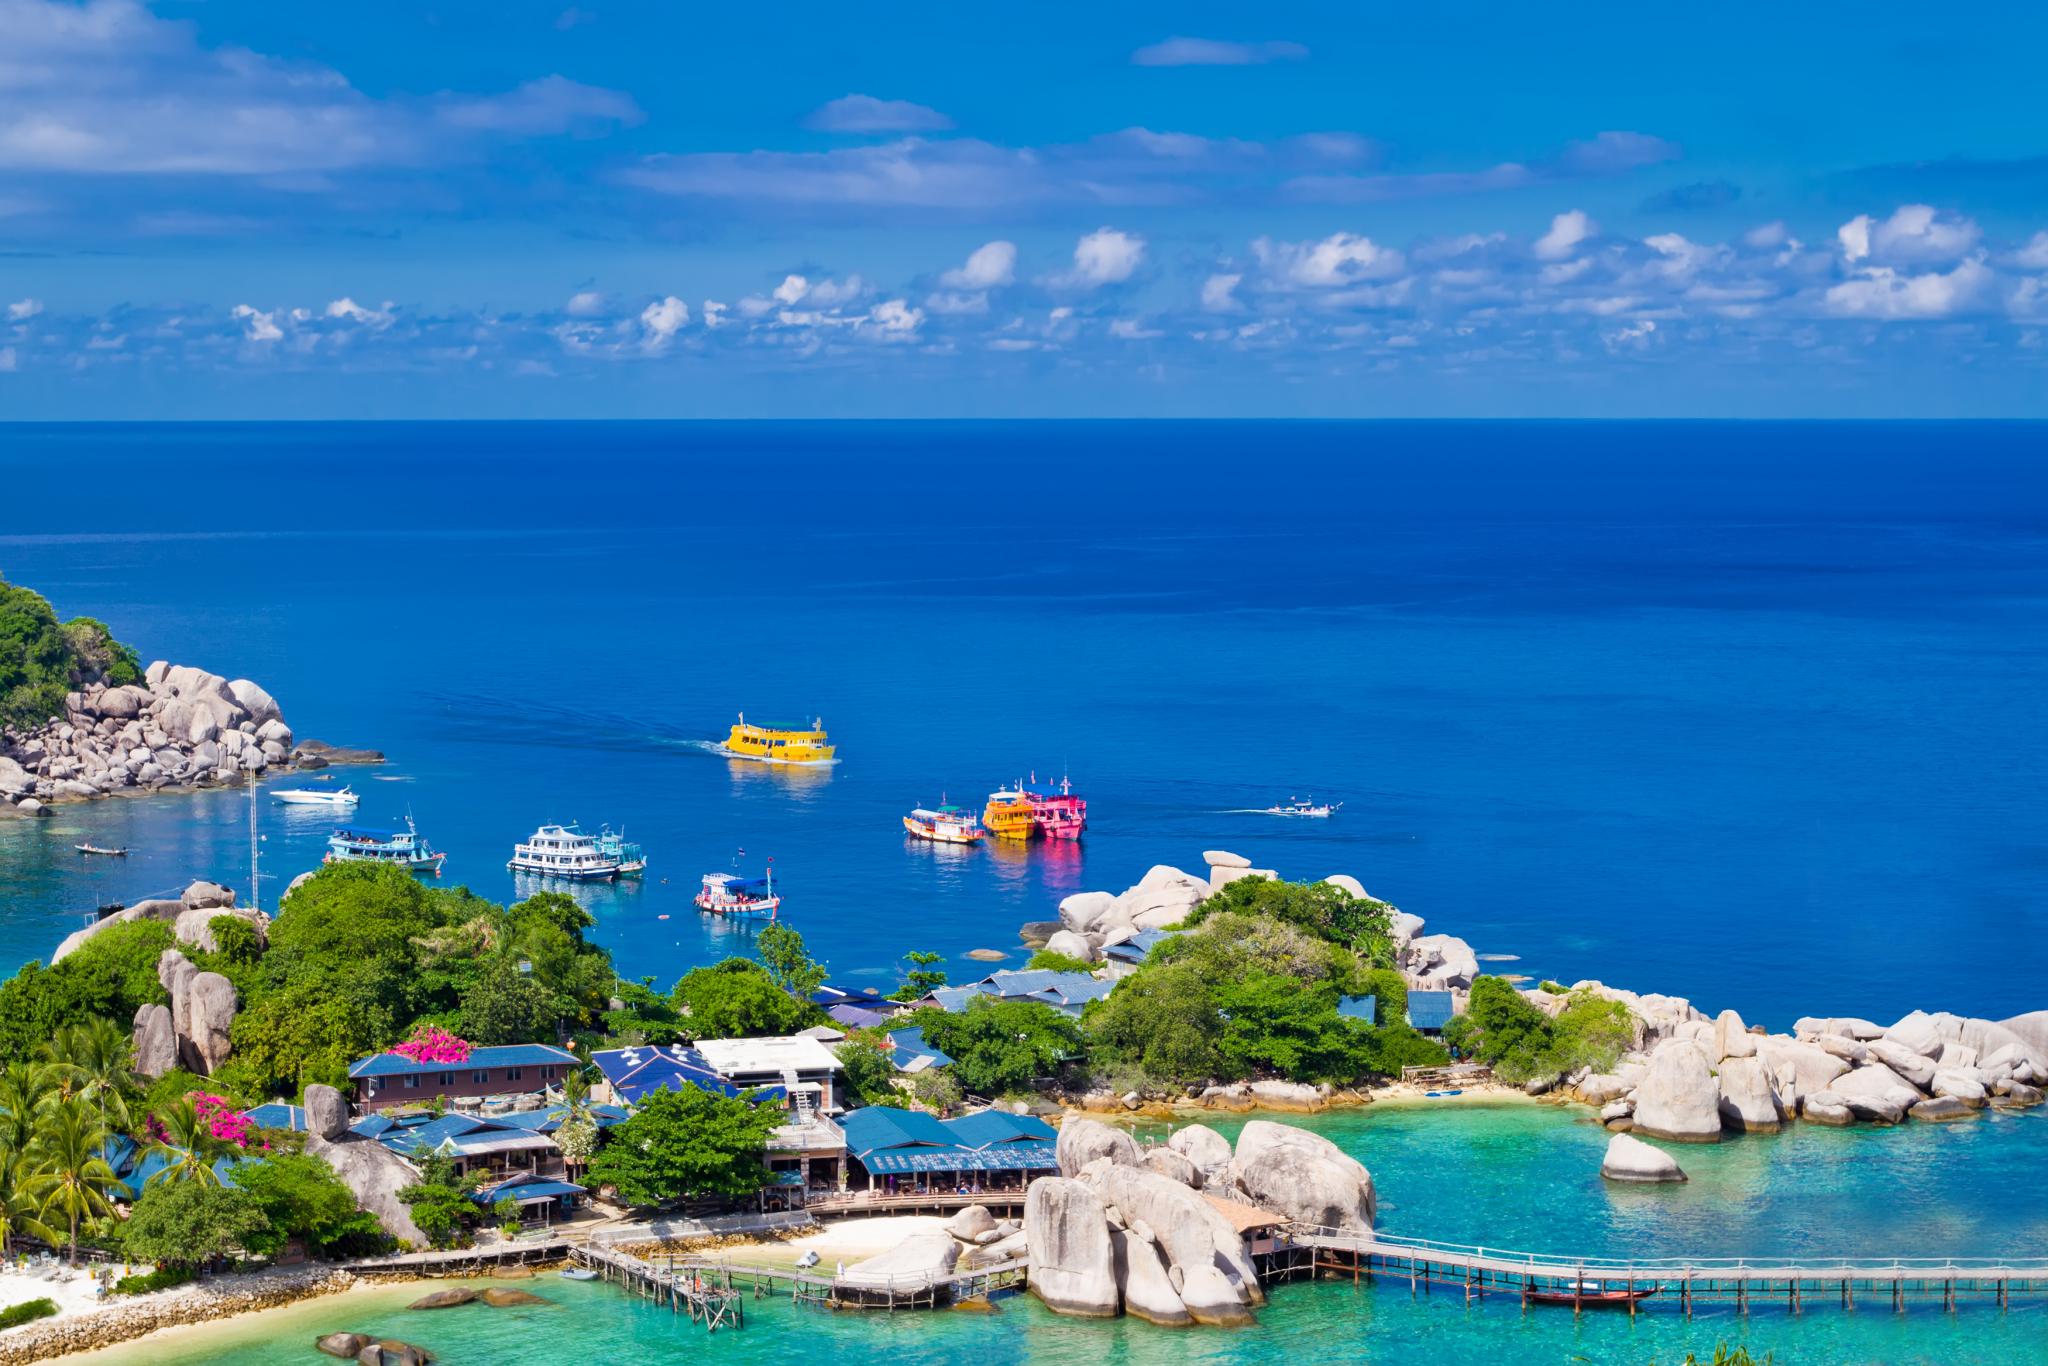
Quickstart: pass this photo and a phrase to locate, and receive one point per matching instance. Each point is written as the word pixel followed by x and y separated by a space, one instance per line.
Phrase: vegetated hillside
pixel 42 658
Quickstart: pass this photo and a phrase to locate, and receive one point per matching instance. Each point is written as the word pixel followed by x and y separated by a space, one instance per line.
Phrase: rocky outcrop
pixel 1206 1149
pixel 196 927
pixel 924 1256
pixel 1205 1258
pixel 212 1019
pixel 444 1299
pixel 156 1041
pixel 1678 1098
pixel 156 909
pixel 1082 1140
pixel 1303 1176
pixel 375 1174
pixel 970 1223
pixel 181 728
pixel 1747 1102
pixel 1073 946
pixel 326 1112
pixel 1173 1166
pixel 1144 1280
pixel 1439 962
pixel 1630 1159
pixel 1825 1107
pixel 1732 1038
pixel 1073 1266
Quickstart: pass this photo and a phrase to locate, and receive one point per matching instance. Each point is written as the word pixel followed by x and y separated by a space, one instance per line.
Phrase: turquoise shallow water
pixel 1522 1176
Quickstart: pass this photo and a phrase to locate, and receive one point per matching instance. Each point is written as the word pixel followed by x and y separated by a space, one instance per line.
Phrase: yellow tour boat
pixel 772 746
pixel 1008 814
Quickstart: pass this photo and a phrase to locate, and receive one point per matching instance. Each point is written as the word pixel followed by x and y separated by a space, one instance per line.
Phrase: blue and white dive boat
pixel 563 851
pixel 613 844
pixel 739 898
pixel 401 848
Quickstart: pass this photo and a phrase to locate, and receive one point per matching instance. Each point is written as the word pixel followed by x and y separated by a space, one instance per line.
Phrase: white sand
pixel 76 1296
pixel 849 1240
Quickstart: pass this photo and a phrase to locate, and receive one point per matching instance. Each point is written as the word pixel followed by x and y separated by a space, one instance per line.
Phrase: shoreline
pixel 186 1310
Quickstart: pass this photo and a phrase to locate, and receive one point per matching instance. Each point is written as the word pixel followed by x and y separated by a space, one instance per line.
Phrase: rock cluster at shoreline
pixel 180 728
pixel 222 1298
pixel 190 916
pixel 1693 1079
pixel 1149 1232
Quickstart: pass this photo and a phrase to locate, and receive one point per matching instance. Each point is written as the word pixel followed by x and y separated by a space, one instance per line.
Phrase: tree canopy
pixel 41 658
pixel 999 1047
pixel 737 999
pixel 686 1143
pixel 188 1223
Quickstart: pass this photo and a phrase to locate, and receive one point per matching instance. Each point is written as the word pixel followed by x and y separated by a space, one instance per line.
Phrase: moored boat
pixel 1059 815
pixel 96 849
pixel 1591 1295
pixel 739 898
pixel 310 796
pixel 613 844
pixel 1008 814
pixel 563 851
pixel 400 848
pixel 945 824
pixel 773 745
pixel 1297 807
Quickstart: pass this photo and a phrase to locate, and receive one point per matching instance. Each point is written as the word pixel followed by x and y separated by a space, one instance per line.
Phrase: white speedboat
pixel 577 1273
pixel 1297 807
pixel 313 796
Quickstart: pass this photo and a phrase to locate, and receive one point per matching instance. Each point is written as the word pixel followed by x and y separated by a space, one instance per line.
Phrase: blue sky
pixel 659 209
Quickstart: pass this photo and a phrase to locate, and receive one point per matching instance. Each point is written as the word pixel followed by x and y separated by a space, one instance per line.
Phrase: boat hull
pixel 1604 1299
pixel 938 835
pixel 563 875
pixel 428 865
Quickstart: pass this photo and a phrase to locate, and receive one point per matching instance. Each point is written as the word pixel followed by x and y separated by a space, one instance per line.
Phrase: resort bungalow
pixel 1065 992
pixel 907 1153
pixel 490 1146
pixel 538 1197
pixel 388 1079
pixel 910 1054
pixel 1364 1009
pixel 857 1009
pixel 1125 956
pixel 1430 1011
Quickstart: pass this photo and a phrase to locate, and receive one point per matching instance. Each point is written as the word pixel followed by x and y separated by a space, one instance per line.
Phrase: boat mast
pixel 255 864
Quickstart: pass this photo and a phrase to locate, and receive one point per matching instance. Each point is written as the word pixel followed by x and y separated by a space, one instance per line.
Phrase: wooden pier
pixel 463 1261
pixel 1638 1284
pixel 683 1288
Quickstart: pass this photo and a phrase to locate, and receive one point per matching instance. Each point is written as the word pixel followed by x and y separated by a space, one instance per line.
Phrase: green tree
pixel 1324 910
pixel 21 1211
pixel 1275 1024
pixel 507 1006
pixel 737 999
pixel 190 1224
pixel 439 1201
pixel 783 954
pixel 999 1047
pixel 41 659
pixel 687 1143
pixel 188 1148
pixel 867 1069
pixel 1161 1020
pixel 921 978
pixel 72 1178
pixel 937 1089
pixel 95 1059
pixel 301 1197
pixel 1051 961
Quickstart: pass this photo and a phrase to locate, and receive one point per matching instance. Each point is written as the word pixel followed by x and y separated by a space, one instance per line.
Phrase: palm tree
pixel 188 1147
pixel 71 1173
pixel 20 1214
pixel 576 1135
pixel 24 1092
pixel 96 1059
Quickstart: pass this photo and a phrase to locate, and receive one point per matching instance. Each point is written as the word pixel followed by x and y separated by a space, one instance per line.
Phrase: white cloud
pixel 1635 336
pixel 1883 292
pixel 2032 256
pixel 1219 293
pixel 792 289
pixel 259 327
pixel 896 316
pixel 586 303
pixel 355 312
pixel 1915 234
pixel 866 114
pixel 1211 52
pixel 1130 329
pixel 990 266
pixel 956 303
pixel 542 108
pixel 23 310
pixel 1767 236
pixel 714 314
pixel 662 319
pixel 1106 256
pixel 7 360
pixel 1567 230
pixel 831 293
pixel 1342 258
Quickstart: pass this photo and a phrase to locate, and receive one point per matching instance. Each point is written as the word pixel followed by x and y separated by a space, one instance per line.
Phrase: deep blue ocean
pixel 1746 712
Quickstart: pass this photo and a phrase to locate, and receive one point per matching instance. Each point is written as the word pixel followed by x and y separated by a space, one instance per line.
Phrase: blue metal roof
pixel 1366 1008
pixel 363 832
pixel 495 1056
pixel 1135 949
pixel 859 1017
pixel 547 1121
pixel 954 998
pixel 525 1189
pixel 1009 1157
pixel 1072 993
pixel 909 1045
pixel 992 1128
pixel 636 1073
pixel 878 1127
pixel 277 1115
pixel 1429 1009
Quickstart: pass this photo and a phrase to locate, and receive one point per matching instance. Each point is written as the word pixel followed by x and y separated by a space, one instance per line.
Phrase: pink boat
pixel 1061 817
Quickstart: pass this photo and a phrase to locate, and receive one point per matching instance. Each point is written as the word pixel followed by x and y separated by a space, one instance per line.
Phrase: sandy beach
pixel 848 1241
pixel 76 1295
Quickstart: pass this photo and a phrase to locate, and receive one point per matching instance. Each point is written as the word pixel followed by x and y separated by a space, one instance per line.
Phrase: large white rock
pixel 1217 858
pixel 1843 1047
pixel 1678 1098
pixel 1173 1166
pixel 1163 897
pixel 1346 882
pixel 1085 911
pixel 1304 1176
pixel 1601 1088
pixel 1825 1107
pixel 375 1174
pixel 1208 1150
pixel 1072 945
pixel 1748 1103
pixel 1732 1038
pixel 1876 1092
pixel 923 1257
pixel 1203 1252
pixel 156 1041
pixel 1073 1266
pixel 1848 1026
pixel 212 1017
pixel 1630 1159
pixel 1919 1032
pixel 1082 1140
pixel 258 705
pixel 1404 927
pixel 1143 1278
pixel 1908 1062
pixel 1438 961
pixel 326 1111
pixel 2031 1027
pixel 1275 1094
pixel 1965 1084
pixel 196 927
pixel 1812 1063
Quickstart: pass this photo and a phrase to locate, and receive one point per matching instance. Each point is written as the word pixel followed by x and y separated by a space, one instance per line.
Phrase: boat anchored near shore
pixel 564 852
pixel 400 848
pixel 309 796
pixel 945 824
pixel 740 898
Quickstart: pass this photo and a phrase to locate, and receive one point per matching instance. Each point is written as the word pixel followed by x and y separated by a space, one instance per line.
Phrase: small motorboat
pixel 739 898
pixel 1591 1295
pixel 313 796
pixel 96 849
pixel 577 1273
pixel 808 1260
pixel 945 825
pixel 1436 1094
pixel 1297 807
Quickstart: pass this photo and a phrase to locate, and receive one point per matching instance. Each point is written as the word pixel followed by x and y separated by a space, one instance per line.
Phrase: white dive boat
pixel 1297 807
pixel 563 851
pixel 577 1273
pixel 313 796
